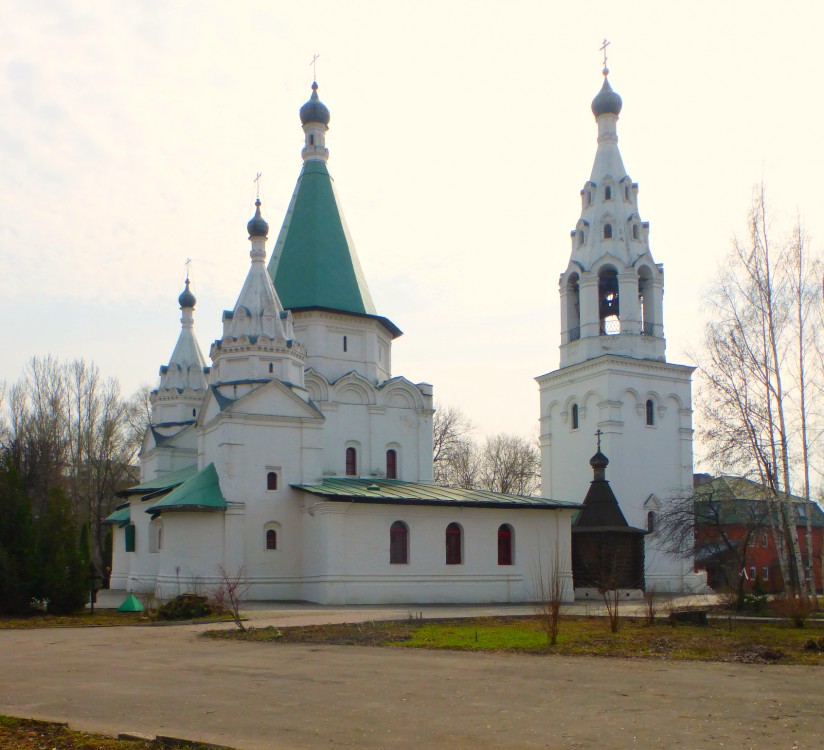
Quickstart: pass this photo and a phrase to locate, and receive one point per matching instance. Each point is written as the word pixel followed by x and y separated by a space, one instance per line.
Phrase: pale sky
pixel 461 135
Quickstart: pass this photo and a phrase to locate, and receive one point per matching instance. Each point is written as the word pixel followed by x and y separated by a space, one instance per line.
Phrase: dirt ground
pixel 258 695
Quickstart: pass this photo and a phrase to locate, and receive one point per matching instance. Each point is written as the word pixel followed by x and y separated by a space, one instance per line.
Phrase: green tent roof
pixel 201 492
pixel 158 484
pixel 314 263
pixel 130 604
pixel 397 492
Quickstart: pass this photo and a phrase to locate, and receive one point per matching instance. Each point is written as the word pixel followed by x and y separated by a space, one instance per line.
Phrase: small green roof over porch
pixel 201 492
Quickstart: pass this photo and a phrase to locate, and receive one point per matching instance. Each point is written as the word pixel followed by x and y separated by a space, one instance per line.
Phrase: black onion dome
pixel 186 298
pixel 314 110
pixel 607 101
pixel 599 461
pixel 257 226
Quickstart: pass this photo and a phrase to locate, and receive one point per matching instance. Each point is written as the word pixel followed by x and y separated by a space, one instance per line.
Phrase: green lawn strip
pixel 29 733
pixel 739 641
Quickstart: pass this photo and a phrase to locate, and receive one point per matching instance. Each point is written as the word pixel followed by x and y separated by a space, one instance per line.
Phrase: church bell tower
pixel 613 374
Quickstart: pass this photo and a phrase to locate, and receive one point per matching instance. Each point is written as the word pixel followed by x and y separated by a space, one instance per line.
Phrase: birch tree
pixel 755 403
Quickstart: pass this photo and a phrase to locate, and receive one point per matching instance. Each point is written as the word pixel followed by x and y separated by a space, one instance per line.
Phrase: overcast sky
pixel 461 135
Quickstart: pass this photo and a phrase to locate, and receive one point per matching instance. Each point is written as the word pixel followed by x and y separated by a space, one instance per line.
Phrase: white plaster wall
pixel 120 559
pixel 143 564
pixel 611 393
pixel 352 541
pixel 193 548
pixel 368 349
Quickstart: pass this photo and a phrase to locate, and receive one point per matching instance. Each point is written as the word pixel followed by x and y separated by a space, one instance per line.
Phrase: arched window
pixel 573 303
pixel 271 539
pixel 398 543
pixel 272 480
pixel 589 197
pixel 607 193
pixel 194 412
pixel 351 462
pixel 454 544
pixel 635 231
pixel 391 464
pixel 651 521
pixel 271 367
pixel 505 544
pixel 608 303
pixel 626 192
pixel 607 231
pixel 312 139
pixel 650 412
pixel 575 416
pixel 580 237
pixel 345 344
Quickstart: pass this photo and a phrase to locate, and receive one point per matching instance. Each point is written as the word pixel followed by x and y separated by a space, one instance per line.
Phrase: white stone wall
pixel 644 460
pixel 347 554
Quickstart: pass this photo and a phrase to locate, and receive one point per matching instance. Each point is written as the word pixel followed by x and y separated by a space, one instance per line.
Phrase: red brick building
pixel 734 533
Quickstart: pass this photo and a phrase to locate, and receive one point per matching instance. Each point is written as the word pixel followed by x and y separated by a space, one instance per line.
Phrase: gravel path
pixel 253 695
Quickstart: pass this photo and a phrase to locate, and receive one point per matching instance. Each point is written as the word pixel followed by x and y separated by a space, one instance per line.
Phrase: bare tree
pixel 549 596
pixel 752 407
pixel 510 464
pixel 451 430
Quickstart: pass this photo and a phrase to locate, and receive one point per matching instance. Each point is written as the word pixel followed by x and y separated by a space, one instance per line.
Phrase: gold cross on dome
pixel 314 65
pixel 603 48
pixel 257 182
pixel 598 434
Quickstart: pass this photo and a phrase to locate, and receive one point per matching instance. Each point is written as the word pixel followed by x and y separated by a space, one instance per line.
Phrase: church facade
pixel 298 461
pixel 613 376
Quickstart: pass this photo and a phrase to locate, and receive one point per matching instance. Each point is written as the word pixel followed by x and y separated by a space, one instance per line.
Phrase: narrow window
pixel 271 367
pixel 130 538
pixel 589 197
pixel 271 539
pixel 344 344
pixel 651 521
pixel 398 543
pixel 765 539
pixel 453 544
pixel 575 416
pixel 626 193
pixel 580 237
pixel 272 480
pixel 765 575
pixel 160 538
pixel 752 572
pixel 607 193
pixel 635 231
pixel 194 412
pixel 505 544
pixel 312 139
pixel 391 464
pixel 351 462
pixel 650 412
pixel 607 231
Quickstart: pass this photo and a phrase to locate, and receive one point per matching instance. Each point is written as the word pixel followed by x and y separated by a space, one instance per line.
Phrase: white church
pixel 299 460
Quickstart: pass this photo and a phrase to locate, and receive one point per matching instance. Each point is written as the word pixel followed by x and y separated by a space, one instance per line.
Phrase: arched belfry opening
pixel 573 300
pixel 645 303
pixel 608 305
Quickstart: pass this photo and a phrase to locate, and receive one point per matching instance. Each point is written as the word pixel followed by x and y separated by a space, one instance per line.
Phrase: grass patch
pixel 728 641
pixel 28 733
pixel 102 618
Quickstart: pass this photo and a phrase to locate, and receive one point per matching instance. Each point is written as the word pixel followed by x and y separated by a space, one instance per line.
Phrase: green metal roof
pixel 740 500
pixel 158 484
pixel 314 263
pixel 201 492
pixel 396 492
pixel 121 516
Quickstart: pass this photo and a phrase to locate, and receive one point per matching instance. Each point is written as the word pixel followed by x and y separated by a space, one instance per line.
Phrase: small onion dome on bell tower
pixel 314 110
pixel 257 226
pixel 599 463
pixel 607 102
pixel 186 298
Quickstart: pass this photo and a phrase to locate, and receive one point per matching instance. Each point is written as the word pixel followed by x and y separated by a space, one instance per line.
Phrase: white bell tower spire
pixel 612 290
pixel 613 376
